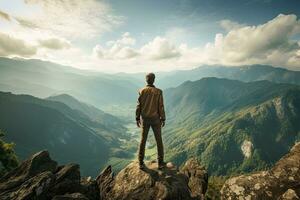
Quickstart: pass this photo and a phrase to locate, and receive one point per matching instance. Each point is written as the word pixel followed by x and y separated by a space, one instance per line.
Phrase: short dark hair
pixel 150 78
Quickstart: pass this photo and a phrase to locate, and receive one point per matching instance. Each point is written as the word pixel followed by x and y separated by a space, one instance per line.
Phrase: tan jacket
pixel 150 104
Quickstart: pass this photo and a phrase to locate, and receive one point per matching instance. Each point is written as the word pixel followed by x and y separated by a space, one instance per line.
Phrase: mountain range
pixel 235 119
pixel 242 73
pixel 43 79
pixel 232 126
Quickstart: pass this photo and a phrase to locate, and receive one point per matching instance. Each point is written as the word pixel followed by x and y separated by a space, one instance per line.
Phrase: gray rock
pixel 67 180
pixel 40 178
pixel 289 195
pixel 151 183
pixel 36 187
pixel 73 196
pixel 36 164
pixel 105 182
pixel 272 184
pixel 198 177
pixel 89 188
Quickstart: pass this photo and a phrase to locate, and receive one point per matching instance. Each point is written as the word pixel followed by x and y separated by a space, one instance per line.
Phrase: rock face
pixel 281 182
pixel 150 183
pixel 41 178
pixel 198 177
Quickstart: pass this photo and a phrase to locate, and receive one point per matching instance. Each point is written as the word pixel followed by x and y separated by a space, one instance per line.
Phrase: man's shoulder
pixel 159 90
pixel 142 89
pixel 155 89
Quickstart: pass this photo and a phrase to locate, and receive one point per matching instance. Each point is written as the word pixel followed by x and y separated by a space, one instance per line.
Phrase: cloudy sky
pixel 156 35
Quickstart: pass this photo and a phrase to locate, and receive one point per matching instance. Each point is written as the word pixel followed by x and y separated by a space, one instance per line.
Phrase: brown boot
pixel 141 165
pixel 161 165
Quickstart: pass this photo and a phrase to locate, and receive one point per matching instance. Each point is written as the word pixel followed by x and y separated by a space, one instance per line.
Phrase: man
pixel 150 113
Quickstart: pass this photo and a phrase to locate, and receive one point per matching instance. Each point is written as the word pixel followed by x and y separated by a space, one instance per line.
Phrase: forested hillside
pixel 70 135
pixel 230 125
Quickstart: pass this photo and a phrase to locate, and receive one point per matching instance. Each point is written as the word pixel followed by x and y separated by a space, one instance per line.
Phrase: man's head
pixel 150 78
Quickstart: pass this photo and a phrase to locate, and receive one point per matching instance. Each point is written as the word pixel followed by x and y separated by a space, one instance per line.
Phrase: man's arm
pixel 138 111
pixel 161 109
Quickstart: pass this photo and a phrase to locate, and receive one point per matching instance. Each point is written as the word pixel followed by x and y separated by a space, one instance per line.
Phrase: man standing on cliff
pixel 150 113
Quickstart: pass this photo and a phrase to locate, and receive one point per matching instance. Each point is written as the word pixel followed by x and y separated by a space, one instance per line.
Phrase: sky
pixel 157 35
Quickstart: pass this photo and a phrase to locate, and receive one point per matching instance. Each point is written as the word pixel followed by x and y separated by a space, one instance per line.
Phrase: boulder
pixel 36 187
pixel 40 178
pixel 73 196
pixel 105 182
pixel 36 164
pixel 280 182
pixel 89 188
pixel 67 179
pixel 289 195
pixel 198 177
pixel 151 183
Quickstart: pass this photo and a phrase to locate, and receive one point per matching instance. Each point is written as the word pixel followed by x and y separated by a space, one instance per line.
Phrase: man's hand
pixel 138 123
pixel 162 123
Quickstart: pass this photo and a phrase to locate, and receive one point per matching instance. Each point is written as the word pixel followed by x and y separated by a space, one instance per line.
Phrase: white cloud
pixel 126 39
pixel 157 49
pixel 69 18
pixel 229 25
pixel 26 23
pixel 117 49
pixel 11 46
pixel 269 43
pixel 4 16
pixel 115 52
pixel 160 48
pixel 127 52
pixel 54 43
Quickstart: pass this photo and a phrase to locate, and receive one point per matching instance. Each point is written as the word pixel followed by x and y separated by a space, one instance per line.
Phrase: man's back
pixel 150 103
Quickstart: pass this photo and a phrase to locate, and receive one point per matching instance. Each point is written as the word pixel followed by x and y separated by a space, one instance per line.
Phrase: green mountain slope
pixel 92 112
pixel 34 124
pixel 232 126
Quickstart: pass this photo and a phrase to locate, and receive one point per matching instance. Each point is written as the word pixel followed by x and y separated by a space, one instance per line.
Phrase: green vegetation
pixel 8 157
pixel 212 119
pixel 93 113
pixel 70 136
pixel 215 184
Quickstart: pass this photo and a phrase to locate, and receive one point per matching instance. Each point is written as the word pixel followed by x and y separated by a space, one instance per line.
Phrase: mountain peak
pixel 62 96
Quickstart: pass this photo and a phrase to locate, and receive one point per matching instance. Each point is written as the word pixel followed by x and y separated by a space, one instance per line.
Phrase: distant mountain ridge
pixel 242 73
pixel 43 79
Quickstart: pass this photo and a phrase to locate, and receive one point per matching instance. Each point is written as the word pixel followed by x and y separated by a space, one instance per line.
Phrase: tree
pixel 8 156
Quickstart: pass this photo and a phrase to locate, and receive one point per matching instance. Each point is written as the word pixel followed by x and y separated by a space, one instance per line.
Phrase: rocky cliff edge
pixel 41 178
